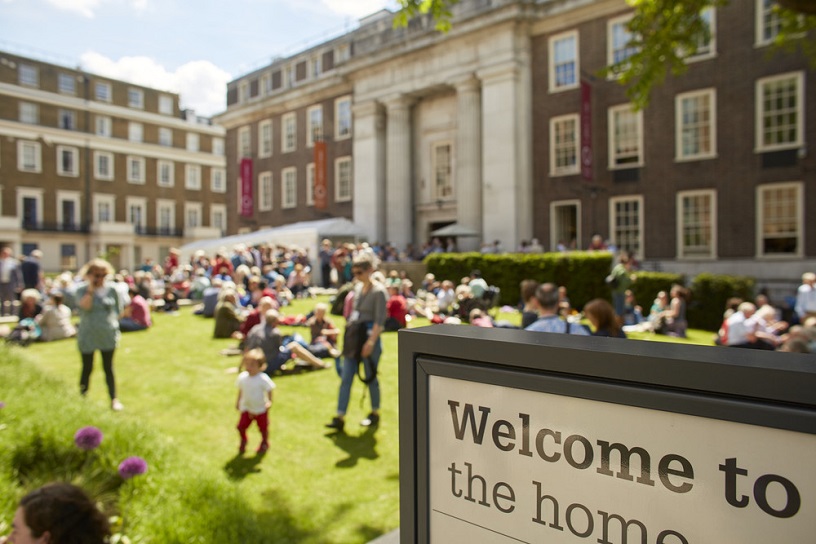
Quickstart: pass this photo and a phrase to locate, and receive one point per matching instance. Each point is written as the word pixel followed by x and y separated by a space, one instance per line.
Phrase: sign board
pixel 513 436
pixel 246 206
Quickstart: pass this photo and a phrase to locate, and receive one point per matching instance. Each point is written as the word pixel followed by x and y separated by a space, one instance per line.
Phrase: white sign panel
pixel 510 465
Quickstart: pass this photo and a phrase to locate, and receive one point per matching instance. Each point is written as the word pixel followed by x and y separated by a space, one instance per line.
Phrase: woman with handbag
pixel 361 341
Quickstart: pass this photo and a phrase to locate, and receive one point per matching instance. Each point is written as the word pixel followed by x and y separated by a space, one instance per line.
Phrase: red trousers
pixel 247 419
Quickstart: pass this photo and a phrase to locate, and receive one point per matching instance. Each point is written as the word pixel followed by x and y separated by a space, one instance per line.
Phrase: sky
pixel 192 47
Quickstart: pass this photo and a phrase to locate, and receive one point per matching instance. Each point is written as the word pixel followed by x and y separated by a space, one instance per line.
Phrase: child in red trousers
pixel 254 398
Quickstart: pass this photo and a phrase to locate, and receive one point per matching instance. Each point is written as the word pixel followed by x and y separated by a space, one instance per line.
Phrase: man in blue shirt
pixel 546 303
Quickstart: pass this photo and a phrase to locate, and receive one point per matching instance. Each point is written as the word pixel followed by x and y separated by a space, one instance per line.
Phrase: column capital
pixel 468 83
pixel 500 72
pixel 398 101
pixel 367 108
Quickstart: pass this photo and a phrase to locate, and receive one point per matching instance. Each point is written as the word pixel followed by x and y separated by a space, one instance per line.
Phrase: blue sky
pixel 192 47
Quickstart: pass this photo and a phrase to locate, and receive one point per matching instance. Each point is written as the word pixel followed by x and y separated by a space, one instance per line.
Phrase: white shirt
pixel 254 391
pixel 739 328
pixel 805 300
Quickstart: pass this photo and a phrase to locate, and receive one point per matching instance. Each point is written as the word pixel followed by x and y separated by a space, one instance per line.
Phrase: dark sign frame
pixel 739 385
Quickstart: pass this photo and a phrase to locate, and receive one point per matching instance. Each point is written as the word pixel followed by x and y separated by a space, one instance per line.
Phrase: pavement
pixel 389 538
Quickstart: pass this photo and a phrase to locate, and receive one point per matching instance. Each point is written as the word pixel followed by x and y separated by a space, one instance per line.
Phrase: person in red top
pixel 136 316
pixel 396 309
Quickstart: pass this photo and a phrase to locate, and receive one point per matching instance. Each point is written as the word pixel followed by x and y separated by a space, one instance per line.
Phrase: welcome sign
pixel 528 437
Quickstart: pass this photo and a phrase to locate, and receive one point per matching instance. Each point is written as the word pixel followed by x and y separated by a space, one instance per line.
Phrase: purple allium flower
pixel 88 438
pixel 2 404
pixel 132 466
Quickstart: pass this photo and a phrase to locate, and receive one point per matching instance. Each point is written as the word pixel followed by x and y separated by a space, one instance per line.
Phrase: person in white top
pixel 254 398
pixel 806 297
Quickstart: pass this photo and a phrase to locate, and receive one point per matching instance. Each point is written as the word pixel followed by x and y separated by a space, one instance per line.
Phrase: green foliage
pixel 710 292
pixel 648 284
pixel 439 10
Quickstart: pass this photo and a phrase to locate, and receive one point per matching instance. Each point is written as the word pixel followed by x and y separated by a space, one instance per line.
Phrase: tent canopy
pixel 456 230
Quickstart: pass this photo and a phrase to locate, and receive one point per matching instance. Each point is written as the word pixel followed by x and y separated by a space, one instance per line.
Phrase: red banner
pixel 247 204
pixel 321 197
pixel 586 131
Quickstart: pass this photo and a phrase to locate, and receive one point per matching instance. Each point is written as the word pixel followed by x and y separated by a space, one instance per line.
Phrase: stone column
pixel 369 169
pixel 469 160
pixel 399 227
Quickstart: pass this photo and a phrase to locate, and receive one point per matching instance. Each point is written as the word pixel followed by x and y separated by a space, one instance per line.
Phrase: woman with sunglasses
pixel 369 312
pixel 99 309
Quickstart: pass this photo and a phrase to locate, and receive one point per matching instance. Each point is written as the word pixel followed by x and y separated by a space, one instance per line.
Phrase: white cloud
pixel 83 7
pixel 357 8
pixel 201 85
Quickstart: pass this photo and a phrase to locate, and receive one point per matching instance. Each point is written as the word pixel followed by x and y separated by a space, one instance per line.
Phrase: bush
pixel 648 284
pixel 710 292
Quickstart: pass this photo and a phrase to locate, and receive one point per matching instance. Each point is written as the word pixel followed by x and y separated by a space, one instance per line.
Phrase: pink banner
pixel 586 131
pixel 247 204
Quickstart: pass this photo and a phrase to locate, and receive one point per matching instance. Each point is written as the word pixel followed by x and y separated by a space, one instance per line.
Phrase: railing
pixel 42 226
pixel 157 231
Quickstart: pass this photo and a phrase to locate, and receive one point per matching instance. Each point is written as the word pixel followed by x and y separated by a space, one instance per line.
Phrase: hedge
pixel 710 292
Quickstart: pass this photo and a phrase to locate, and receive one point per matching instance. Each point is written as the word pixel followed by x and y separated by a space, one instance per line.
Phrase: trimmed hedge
pixel 648 284
pixel 710 292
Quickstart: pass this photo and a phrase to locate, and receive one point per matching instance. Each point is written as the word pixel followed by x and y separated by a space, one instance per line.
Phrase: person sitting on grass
pixel 396 309
pixel 254 398
pixel 323 333
pixel 276 348
pixel 601 316
pixel 228 316
pixel 136 315
pixel 55 321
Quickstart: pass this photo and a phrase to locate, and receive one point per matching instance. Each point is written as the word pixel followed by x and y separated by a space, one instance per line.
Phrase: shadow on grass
pixel 357 447
pixel 282 524
pixel 239 466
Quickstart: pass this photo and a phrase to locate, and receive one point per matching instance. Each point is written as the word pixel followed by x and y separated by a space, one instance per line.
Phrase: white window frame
pixel 683 251
pixel 103 92
pixel 218 146
pixel 443 192
pixel 196 208
pixel 135 132
pixel 338 185
pixel 709 50
pixel 289 187
pixel 131 174
pixel 315 66
pixel 67 119
pixel 244 143
pixel 555 170
pixel 314 124
pixel 135 98
pixel 165 205
pixel 215 210
pixel 37 195
pixel 243 91
pixel 218 180
pixel 762 12
pixel 610 45
pixel 288 120
pixel 103 126
pixel 29 113
pixel 63 87
pixel 265 192
pixel 192 177
pixel 37 151
pixel 141 204
pixel 576 203
pixel 73 152
pixel 193 142
pixel 98 174
pixel 680 126
pixel 166 136
pixel 339 122
pixel 171 170
pixel 165 104
pixel 310 181
pixel 639 227
pixel 799 219
pixel 28 75
pixel 68 196
pixel 553 80
pixel 265 142
pixel 613 111
pixel 799 81
pixel 100 199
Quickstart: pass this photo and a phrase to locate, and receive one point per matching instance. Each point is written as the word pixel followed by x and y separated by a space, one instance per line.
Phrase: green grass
pixel 313 486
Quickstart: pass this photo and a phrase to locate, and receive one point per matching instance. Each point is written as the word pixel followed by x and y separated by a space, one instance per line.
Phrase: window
pixel 564 143
pixel 166 216
pixel 310 181
pixel 29 75
pixel 288 138
pixel 288 188
pixel 625 137
pixel 442 164
pixel 316 66
pixel 564 67
pixel 342 118
pixel 166 173
pixel 780 120
pixel 67 161
pixel 696 122
pixel 166 136
pixel 67 119
pixel 136 98
pixel 68 210
pixel 192 141
pixel 315 128
pixel 66 84
pixel 135 132
pixel 565 224
pixel 28 156
pixel 218 217
pixel 244 142
pixel 780 220
pixel 342 52
pixel 768 22
pixel 165 104
pixel 706 48
pixel 342 179
pixel 135 170
pixel 264 191
pixel 265 139
pixel 192 215
pixel 218 180
pixel 626 223
pixel 103 126
pixel 696 224
pixel 192 177
pixel 243 91
pixel 103 165
pixel 618 38
pixel 68 256
pixel 29 113
pixel 218 146
pixel 136 209
pixel 104 209
pixel 266 84
pixel 30 201
pixel 103 91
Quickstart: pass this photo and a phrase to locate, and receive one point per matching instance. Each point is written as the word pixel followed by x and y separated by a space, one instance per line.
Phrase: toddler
pixel 254 398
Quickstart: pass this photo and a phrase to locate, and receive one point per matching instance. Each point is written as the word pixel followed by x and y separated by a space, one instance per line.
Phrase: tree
pixel 663 33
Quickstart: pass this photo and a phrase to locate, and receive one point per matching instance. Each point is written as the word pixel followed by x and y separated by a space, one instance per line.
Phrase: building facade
pixel 505 126
pixel 94 166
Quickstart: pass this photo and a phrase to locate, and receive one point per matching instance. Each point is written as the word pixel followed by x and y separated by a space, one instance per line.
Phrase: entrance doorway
pixel 565 224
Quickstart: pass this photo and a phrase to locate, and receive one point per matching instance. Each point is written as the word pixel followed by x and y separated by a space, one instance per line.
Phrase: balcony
pixel 113 228
pixel 42 226
pixel 158 231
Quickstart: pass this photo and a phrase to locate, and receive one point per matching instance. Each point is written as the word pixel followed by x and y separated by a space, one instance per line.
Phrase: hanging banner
pixel 586 131
pixel 247 203
pixel 321 199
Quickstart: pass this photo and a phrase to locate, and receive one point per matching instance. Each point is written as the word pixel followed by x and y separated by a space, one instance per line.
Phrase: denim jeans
pixel 349 371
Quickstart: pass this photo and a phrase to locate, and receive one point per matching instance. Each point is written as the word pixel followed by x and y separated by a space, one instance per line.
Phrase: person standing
pixel 806 297
pixel 10 281
pixel 99 309
pixel 31 270
pixel 619 280
pixel 368 315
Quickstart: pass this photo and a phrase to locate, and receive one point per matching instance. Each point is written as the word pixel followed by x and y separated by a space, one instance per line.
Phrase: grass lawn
pixel 313 486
